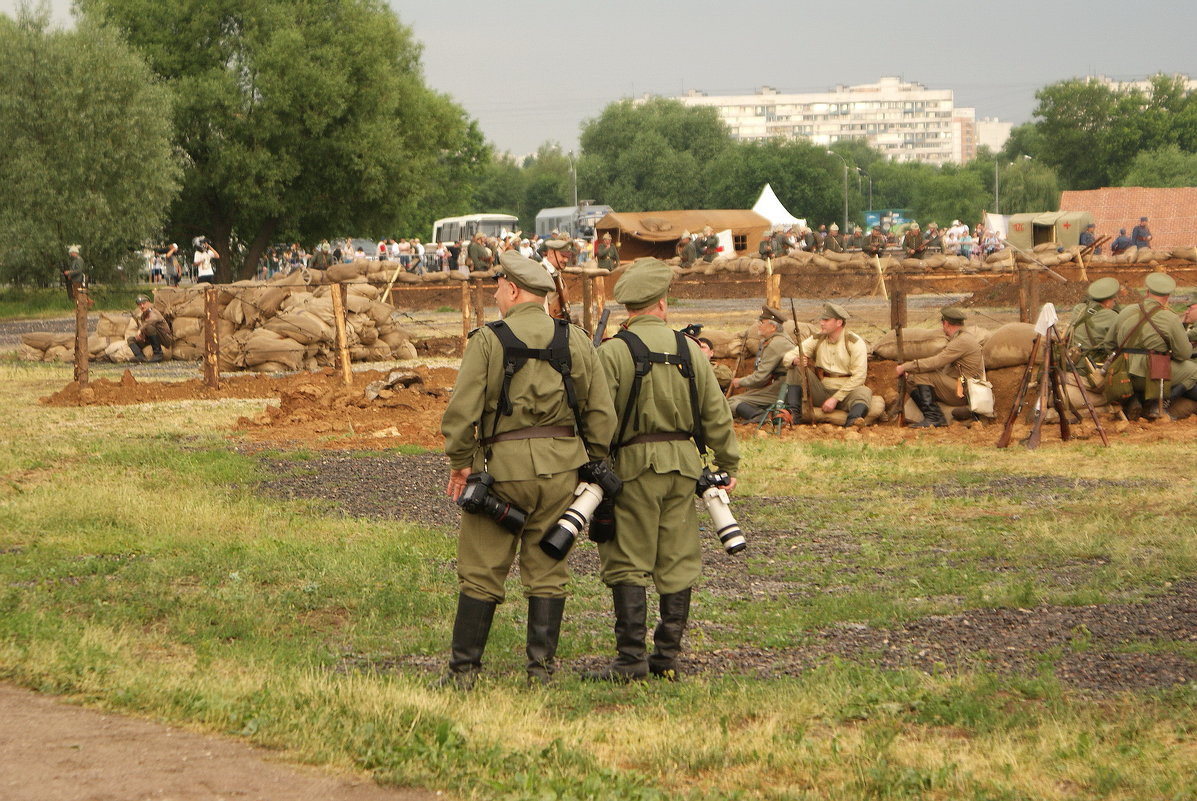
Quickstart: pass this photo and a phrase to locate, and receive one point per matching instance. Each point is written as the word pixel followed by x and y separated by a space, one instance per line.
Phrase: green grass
pixel 26 302
pixel 142 570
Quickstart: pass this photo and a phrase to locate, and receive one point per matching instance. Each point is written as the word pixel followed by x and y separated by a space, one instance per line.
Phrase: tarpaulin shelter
pixel 656 233
pixel 1062 227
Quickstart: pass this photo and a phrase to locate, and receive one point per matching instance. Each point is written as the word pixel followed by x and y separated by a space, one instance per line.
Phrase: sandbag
pixel 1188 252
pixel 185 351
pixel 267 346
pixel 186 327
pixel 43 340
pixel 118 351
pixel 405 352
pixel 96 345
pixel 193 306
pixel 917 343
pixel 111 324
pixel 343 272
pixel 59 353
pixel 29 354
pixel 302 326
pixel 1009 346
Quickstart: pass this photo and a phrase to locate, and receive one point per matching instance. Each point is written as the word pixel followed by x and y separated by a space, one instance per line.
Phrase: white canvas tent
pixel 769 207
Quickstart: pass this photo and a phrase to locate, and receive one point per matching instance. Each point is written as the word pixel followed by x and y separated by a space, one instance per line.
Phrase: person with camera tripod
pixel 514 446
pixel 656 526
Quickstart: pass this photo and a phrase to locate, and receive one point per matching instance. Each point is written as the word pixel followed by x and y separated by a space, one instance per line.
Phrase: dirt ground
pixel 50 751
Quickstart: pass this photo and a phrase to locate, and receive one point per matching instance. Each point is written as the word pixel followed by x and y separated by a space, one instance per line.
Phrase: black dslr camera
pixel 598 486
pixel 477 499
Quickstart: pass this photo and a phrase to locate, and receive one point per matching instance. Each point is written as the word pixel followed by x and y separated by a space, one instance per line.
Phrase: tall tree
pixel 796 170
pixel 1168 167
pixel 651 155
pixel 301 117
pixel 87 155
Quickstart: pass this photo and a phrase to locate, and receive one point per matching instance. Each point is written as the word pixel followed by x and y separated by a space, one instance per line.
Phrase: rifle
pixel 897 313
pixel 739 361
pixel 807 412
pixel 601 328
pixel 1016 409
pixel 562 312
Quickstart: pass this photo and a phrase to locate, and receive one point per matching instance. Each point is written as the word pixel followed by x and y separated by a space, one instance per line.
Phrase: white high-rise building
pixel 905 121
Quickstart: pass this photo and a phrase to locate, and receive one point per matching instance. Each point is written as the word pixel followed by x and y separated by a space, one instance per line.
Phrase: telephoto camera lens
pixel 710 489
pixel 477 499
pixel 560 538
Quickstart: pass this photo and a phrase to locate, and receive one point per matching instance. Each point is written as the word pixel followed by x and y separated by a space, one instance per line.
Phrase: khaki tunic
pixel 1088 325
pixel 912 244
pixel 153 324
pixel 767 370
pixel 960 358
pixel 480 255
pixel 845 365
pixel 539 475
pixel 710 248
pixel 833 243
pixel 723 374
pixel 765 248
pixel 656 540
pixel 688 254
pixel 1184 371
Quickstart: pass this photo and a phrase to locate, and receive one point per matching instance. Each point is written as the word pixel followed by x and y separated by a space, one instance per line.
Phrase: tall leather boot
pixel 924 398
pixel 746 411
pixel 857 412
pixel 675 612
pixel 471 629
pixel 136 347
pixel 794 402
pixel 631 610
pixel 544 629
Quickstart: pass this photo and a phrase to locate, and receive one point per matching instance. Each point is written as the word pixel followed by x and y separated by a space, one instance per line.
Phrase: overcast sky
pixel 534 71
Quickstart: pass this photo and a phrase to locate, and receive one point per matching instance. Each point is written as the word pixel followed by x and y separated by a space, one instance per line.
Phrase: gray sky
pixel 533 71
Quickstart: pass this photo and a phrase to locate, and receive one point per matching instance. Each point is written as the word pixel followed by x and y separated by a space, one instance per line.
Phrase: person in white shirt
pixel 204 272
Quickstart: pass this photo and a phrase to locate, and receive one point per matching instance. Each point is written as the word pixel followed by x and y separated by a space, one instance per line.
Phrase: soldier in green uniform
pixel 913 245
pixel 607 254
pixel 765 248
pixel 810 242
pixel 1150 327
pixel 656 526
pixel 322 258
pixel 939 377
pixel 533 452
pixel 709 244
pixel 837 362
pixel 1089 322
pixel 875 244
pixel 723 373
pixel 934 237
pixel 686 250
pixel 478 255
pixel 768 370
pixel 75 273
pixel 781 243
pixel 833 242
pixel 857 240
pixel 1189 318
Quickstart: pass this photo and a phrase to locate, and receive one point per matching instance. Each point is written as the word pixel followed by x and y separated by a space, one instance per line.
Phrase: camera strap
pixel 516 354
pixel 643 359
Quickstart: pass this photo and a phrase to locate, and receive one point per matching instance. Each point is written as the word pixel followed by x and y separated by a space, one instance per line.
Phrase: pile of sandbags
pixel 107 344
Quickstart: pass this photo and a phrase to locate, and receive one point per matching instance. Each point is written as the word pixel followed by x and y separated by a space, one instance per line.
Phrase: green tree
pixel 1028 186
pixel 304 118
pixel 1166 167
pixel 652 155
pixel 87 155
pixel 797 171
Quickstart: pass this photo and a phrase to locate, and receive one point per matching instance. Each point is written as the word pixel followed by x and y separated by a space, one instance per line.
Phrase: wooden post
pixel 338 304
pixel 81 352
pixel 211 338
pixel 466 312
pixel 600 295
pixel 1024 311
pixel 1080 259
pixel 479 305
pixel 587 299
pixel 1032 295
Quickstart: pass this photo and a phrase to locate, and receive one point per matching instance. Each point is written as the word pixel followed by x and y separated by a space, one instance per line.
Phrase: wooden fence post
pixel 338 304
pixel 466 313
pixel 211 338
pixel 81 352
pixel 479 305
pixel 587 299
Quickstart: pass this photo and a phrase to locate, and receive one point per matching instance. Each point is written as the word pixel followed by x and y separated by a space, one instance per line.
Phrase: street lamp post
pixel 841 158
pixel 866 175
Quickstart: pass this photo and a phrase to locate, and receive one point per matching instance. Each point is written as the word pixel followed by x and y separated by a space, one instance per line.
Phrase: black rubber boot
pixel 544 629
pixel 631 663
pixel 857 412
pixel 746 411
pixel 924 398
pixel 471 629
pixel 675 612
pixel 794 403
pixel 136 347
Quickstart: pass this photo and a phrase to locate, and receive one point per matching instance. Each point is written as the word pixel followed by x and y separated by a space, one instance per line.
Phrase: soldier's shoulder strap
pixel 643 360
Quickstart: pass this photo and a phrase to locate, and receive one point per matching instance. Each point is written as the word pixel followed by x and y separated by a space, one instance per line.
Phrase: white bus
pixel 455 229
pixel 577 221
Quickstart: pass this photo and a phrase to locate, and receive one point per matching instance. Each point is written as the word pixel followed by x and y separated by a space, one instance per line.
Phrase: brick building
pixel 1171 213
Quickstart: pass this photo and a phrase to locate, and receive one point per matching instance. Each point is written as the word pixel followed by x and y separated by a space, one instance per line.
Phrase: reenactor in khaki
pixel 656 539
pixel 607 254
pixel 1189 318
pixel 833 243
pixel 876 243
pixel 686 250
pixel 768 370
pixel 478 255
pixel 1089 321
pixel 912 242
pixel 781 243
pixel 857 240
pixel 934 237
pixel 940 378
pixel 709 244
pixel 810 242
pixel 765 248
pixel 836 361
pixel 523 434
pixel 1150 327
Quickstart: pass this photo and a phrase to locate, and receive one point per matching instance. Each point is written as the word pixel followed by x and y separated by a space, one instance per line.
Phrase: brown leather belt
pixel 672 436
pixel 532 432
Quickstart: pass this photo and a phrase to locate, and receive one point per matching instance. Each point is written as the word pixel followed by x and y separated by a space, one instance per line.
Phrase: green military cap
pixel 525 273
pixel 644 282
pixel 834 311
pixel 953 314
pixel 772 315
pixel 556 244
pixel 1103 289
pixel 1160 284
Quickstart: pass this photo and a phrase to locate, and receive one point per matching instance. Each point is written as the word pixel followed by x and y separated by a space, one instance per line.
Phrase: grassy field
pixel 33 302
pixel 142 571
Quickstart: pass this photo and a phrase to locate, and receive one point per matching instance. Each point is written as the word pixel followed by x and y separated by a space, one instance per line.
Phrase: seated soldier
pixel 768 372
pixel 940 378
pixel 836 364
pixel 912 242
pixel 1089 322
pixel 723 373
pixel 153 330
pixel 876 243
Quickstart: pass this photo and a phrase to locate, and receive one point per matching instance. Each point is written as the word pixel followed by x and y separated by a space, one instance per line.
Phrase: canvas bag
pixel 980 395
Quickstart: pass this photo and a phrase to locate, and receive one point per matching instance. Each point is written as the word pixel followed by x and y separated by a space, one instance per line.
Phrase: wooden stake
pixel 881 277
pixel 81 353
pixel 600 295
pixel 1033 294
pixel 479 305
pixel 587 299
pixel 211 338
pixel 466 312
pixel 338 304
